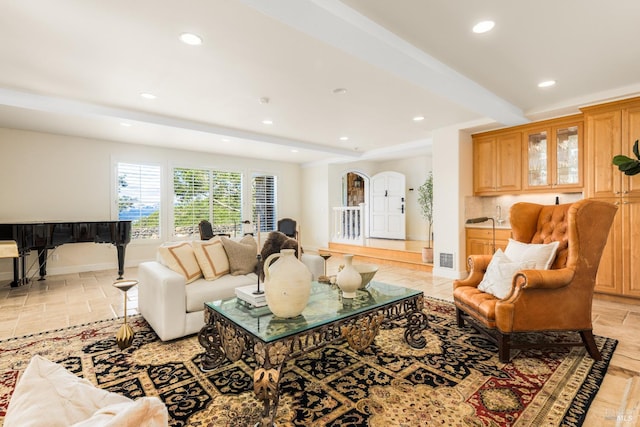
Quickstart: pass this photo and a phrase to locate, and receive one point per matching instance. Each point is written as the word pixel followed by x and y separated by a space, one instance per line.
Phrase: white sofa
pixel 175 309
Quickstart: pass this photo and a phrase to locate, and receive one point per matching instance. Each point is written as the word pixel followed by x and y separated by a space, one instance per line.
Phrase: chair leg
pixel 459 318
pixel 590 343
pixel 504 347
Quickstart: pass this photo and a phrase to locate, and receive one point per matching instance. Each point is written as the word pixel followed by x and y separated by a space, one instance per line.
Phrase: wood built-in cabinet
pixel 553 157
pixel 612 129
pixel 537 157
pixel 497 163
pixel 480 240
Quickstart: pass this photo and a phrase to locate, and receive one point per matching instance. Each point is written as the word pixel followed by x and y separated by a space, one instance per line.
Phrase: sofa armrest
pixel 162 299
pixel 315 264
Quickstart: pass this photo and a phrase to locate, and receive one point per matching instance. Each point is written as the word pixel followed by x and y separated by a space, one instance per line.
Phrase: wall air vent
pixel 446 260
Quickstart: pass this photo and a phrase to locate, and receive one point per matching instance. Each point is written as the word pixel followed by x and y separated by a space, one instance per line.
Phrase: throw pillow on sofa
pixel 242 255
pixel 211 257
pixel 181 259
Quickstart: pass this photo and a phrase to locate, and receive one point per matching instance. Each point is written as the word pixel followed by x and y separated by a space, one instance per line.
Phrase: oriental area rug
pixel 456 380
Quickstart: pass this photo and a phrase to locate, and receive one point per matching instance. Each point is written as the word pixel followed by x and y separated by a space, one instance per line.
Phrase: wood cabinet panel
pixel 479 241
pixel 497 164
pixel 612 129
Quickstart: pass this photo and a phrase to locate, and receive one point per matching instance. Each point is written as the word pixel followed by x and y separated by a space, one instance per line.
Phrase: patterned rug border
pixel 68 328
pixel 575 414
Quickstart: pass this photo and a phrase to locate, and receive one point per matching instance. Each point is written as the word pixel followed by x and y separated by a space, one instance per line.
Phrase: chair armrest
pixel 543 279
pixel 477 267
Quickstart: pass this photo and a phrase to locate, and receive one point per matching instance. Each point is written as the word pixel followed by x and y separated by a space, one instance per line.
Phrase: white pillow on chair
pixel 542 254
pixel 499 275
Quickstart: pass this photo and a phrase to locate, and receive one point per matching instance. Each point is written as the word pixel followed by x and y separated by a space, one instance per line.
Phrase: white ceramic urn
pixel 287 284
pixel 348 279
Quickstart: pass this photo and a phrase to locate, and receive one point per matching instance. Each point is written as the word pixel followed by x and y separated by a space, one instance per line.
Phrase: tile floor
pixel 66 300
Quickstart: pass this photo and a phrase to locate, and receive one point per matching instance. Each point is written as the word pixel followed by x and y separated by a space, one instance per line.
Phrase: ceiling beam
pixel 58 105
pixel 342 27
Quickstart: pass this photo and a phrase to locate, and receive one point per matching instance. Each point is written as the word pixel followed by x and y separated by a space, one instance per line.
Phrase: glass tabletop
pixel 325 305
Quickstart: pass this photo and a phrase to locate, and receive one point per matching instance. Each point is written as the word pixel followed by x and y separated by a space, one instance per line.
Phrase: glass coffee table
pixel 233 329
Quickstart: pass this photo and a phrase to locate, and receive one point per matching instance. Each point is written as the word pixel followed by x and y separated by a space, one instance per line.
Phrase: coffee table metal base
pixel 223 339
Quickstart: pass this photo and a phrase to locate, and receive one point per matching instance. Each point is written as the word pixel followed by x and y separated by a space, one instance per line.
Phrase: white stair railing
pixel 348 224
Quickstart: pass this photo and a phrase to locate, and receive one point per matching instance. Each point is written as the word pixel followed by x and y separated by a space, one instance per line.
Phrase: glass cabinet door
pixel 538 164
pixel 567 156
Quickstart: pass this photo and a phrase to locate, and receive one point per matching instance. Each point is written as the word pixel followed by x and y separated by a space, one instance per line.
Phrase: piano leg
pixel 16 272
pixel 20 271
pixel 42 259
pixel 121 249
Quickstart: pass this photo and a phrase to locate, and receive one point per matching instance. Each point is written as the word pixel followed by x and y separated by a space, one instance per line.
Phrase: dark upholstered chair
pixel 288 226
pixel 206 231
pixel 558 299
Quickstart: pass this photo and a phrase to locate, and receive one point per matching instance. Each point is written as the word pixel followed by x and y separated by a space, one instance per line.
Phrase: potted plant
pixel 626 164
pixel 425 200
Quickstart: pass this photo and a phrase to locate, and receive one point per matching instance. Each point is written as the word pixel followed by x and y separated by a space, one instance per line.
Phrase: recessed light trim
pixel 191 39
pixel 418 118
pixel 267 122
pixel 344 138
pixel 483 27
pixel 147 95
pixel 294 150
pixel 547 83
pixel 125 124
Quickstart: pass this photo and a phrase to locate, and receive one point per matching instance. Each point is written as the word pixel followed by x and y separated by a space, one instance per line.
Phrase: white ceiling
pixel 77 67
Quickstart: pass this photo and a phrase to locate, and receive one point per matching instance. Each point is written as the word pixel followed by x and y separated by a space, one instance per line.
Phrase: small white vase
pixel 348 279
pixel 287 284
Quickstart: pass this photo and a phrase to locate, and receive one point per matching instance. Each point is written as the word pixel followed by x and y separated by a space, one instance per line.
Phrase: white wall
pixel 452 182
pixel 46 177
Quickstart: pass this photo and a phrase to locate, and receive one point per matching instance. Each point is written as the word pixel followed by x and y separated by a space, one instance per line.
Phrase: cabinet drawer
pixel 487 233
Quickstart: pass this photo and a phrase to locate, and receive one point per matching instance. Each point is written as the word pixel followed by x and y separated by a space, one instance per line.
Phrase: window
pixel 263 194
pixel 203 194
pixel 139 198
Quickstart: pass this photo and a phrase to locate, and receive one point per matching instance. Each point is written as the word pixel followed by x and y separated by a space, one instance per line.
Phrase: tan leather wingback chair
pixel 558 299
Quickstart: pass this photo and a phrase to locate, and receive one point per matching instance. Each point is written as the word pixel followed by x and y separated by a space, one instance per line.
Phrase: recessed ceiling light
pixel 294 151
pixel 344 138
pixel 483 27
pixel 418 118
pixel 127 125
pixel 267 121
pixel 191 39
pixel 148 95
pixel 339 91
pixel 547 83
pixel 225 140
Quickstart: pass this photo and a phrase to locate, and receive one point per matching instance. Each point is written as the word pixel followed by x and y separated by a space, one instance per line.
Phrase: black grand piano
pixel 42 236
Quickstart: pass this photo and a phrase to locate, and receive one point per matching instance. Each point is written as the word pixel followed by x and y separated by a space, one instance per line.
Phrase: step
pixel 397 258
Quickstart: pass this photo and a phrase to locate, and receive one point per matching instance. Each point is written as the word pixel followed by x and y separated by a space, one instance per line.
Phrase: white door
pixel 387 206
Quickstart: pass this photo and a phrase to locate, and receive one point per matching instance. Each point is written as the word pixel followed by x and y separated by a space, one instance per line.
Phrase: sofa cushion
pixel 498 278
pixel 202 291
pixel 211 257
pixel 181 259
pixel 242 255
pixel 48 394
pixel 542 254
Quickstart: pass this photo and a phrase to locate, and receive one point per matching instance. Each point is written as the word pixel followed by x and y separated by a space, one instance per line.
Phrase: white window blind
pixel 264 201
pixel 203 194
pixel 139 198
